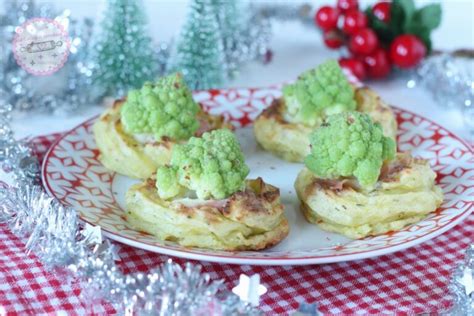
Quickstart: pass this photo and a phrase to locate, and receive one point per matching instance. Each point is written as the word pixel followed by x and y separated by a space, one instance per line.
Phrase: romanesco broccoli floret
pixel 317 93
pixel 213 166
pixel 349 144
pixel 165 108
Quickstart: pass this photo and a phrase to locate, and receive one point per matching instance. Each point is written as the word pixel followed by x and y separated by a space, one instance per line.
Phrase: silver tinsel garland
pixel 78 253
pixel 462 286
pixel 449 78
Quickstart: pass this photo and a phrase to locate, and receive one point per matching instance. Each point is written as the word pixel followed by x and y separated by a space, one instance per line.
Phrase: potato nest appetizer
pixel 355 183
pixel 284 127
pixel 201 199
pixel 404 194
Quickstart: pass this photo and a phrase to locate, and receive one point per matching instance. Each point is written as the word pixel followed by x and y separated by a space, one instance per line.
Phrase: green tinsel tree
pixel 124 55
pixel 199 53
pixel 231 23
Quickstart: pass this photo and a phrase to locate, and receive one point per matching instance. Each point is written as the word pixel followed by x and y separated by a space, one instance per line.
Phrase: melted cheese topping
pixel 190 202
pixel 144 138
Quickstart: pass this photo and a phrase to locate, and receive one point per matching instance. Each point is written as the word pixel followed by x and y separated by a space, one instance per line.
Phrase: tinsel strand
pixel 462 286
pixel 54 233
pixel 448 77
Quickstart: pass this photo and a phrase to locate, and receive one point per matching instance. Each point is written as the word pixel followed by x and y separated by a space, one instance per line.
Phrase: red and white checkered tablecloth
pixel 408 282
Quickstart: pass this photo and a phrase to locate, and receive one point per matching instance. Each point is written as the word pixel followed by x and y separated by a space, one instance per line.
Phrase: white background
pixel 166 16
pixel 296 48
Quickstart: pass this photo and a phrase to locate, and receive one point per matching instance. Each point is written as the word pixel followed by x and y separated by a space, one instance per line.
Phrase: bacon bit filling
pixel 210 122
pixel 204 126
pixel 391 169
pixel 388 173
pixel 253 200
pixel 247 200
pixel 118 103
pixel 274 111
pixel 195 203
pixel 337 185
pixel 151 182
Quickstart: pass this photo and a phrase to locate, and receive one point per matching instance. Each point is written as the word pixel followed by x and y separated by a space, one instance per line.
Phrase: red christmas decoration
pixel 377 64
pixel 363 42
pixel 407 51
pixel 355 66
pixel 382 11
pixel 333 39
pixel 347 5
pixel 353 21
pixel 326 18
pixel 391 33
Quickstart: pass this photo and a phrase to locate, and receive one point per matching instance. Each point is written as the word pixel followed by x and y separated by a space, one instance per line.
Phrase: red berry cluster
pixel 347 25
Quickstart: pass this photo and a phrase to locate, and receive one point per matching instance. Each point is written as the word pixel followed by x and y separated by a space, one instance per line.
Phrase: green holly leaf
pixel 429 16
pixel 397 19
pixel 425 38
pixel 405 19
pixel 408 7
pixel 421 31
pixel 401 12
pixel 383 30
pixel 407 11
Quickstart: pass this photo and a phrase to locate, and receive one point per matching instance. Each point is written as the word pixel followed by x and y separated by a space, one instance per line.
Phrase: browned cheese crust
pixel 251 219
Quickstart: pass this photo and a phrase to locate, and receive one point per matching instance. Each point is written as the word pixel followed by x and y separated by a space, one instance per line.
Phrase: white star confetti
pixel 92 234
pixel 250 289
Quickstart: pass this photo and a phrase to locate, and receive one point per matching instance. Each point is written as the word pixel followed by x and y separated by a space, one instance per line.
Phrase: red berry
pixel 355 66
pixel 407 51
pixel 347 5
pixel 354 21
pixel 382 11
pixel 377 64
pixel 333 39
pixel 326 17
pixel 363 42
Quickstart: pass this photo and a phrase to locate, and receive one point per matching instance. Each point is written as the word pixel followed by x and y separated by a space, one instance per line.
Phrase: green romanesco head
pixel 165 108
pixel 349 144
pixel 317 93
pixel 213 166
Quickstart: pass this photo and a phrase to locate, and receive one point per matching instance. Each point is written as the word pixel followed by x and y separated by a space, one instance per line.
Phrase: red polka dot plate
pixel 73 174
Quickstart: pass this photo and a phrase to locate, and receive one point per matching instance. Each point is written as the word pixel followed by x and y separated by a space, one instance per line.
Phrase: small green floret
pixel 213 166
pixel 349 144
pixel 165 108
pixel 317 93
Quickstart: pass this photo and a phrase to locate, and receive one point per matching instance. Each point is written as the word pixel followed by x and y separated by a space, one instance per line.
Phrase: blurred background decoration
pixel 379 37
pixel 117 55
pixel 217 40
pixel 123 55
pixel 69 88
